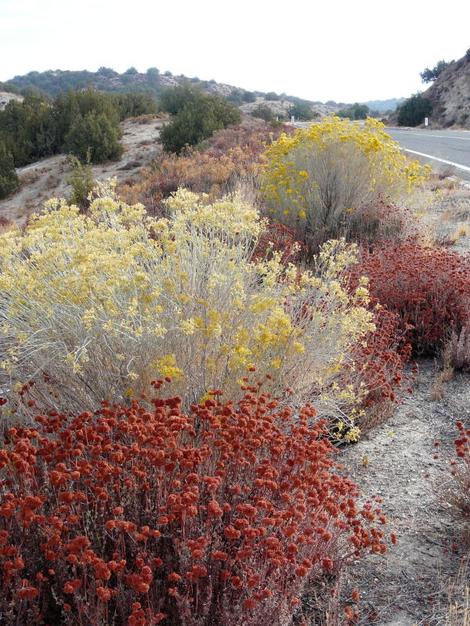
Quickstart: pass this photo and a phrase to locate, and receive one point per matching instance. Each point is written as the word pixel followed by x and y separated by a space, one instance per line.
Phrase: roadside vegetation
pixel 413 111
pixel 184 357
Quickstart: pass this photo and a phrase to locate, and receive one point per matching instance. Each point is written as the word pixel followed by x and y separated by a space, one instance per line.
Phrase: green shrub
pixel 263 112
pixel 413 111
pixel 175 99
pixel 135 104
pixel 196 117
pixel 301 111
pixel 8 178
pixel 93 137
pixel 81 181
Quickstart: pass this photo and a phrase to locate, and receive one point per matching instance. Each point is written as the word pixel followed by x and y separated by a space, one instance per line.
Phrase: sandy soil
pixel 407 463
pixel 47 178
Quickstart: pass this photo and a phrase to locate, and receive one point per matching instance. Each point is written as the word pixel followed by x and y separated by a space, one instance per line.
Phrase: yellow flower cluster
pixel 104 303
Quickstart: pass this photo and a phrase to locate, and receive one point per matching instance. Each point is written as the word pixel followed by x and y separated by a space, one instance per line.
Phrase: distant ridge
pixel 54 82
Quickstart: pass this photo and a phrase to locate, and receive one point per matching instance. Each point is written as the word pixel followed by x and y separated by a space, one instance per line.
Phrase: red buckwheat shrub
pixel 134 517
pixel 429 288
pixel 279 239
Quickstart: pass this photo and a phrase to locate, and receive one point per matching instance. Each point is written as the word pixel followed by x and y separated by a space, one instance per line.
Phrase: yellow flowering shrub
pixel 95 306
pixel 333 179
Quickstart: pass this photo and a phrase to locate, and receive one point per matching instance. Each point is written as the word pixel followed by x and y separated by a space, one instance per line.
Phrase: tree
pixel 413 111
pixel 93 137
pixel 8 178
pixel 272 96
pixel 429 75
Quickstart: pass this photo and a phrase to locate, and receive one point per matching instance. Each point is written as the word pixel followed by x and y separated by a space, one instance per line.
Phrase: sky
pixel 347 51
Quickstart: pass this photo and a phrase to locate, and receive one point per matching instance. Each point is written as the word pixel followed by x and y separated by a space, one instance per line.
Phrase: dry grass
pixel 458 613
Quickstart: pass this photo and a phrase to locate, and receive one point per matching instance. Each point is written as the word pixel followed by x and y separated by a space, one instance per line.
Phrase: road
pixel 440 148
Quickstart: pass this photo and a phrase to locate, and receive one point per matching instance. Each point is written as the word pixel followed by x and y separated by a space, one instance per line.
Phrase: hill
pixel 53 82
pixel 450 95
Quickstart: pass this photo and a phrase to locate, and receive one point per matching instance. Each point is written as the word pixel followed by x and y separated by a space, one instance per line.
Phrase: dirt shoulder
pixel 406 462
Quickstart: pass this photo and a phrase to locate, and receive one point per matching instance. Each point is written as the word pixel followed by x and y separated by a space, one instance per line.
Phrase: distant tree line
pixel 355 111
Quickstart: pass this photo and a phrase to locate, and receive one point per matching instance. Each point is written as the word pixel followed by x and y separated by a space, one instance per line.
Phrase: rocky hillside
pixel 450 95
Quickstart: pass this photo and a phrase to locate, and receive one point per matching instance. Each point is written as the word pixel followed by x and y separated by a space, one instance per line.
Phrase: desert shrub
pixel 81 181
pixel 428 288
pixel 413 111
pixel 115 298
pixel 94 137
pixel 230 158
pixel 137 516
pixel 324 179
pixel 196 116
pixel 8 179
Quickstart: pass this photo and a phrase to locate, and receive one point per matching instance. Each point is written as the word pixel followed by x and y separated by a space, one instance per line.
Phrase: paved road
pixel 440 148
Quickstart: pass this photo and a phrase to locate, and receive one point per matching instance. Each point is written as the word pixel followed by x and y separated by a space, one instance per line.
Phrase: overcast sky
pixel 353 50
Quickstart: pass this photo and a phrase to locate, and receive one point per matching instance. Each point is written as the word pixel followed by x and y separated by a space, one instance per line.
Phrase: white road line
pixel 429 156
pixel 439 136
